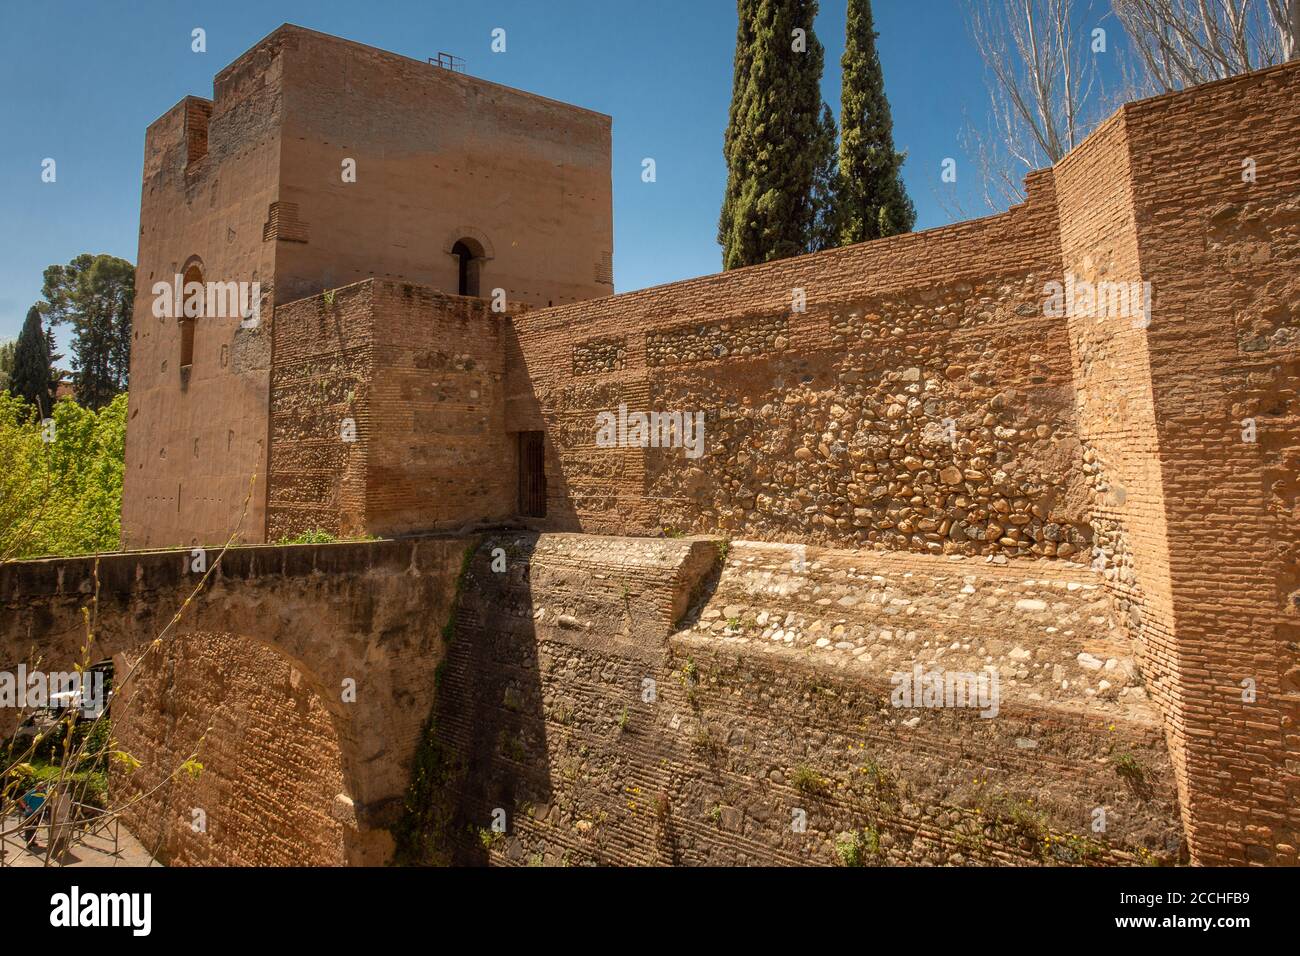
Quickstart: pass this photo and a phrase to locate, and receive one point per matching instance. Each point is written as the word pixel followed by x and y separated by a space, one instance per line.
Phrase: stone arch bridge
pixel 367 615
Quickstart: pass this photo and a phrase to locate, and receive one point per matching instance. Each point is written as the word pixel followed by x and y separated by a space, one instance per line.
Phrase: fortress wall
pixel 922 401
pixel 1221 249
pixel 440 456
pixel 196 439
pixel 421 375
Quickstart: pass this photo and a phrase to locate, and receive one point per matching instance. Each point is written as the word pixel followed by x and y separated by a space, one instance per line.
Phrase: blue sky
pixel 83 79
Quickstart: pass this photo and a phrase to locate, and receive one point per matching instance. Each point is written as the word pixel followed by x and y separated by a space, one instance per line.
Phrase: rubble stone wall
pixel 905 394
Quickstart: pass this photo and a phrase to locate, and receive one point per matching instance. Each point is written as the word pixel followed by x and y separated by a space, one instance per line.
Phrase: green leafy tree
pixel 95 295
pixel 776 113
pixel 7 350
pixel 61 487
pixel 32 378
pixel 872 200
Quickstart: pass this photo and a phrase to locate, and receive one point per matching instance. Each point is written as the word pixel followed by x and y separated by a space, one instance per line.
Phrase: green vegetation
pixel 95 295
pixel 1127 766
pixel 310 536
pixel 62 495
pixel 707 742
pixel 30 374
pixel 871 201
pixel 790 189
pixel 82 764
pixel 321 536
pixel 858 848
pixel 808 781
pixel 8 352
pixel 775 142
pixel 1131 771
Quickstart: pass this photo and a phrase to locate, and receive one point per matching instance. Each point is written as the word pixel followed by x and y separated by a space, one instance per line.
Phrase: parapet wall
pixel 1159 445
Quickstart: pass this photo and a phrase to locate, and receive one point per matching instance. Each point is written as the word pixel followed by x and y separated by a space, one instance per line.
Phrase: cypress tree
pixel 767 209
pixel 825 232
pixel 872 200
pixel 739 77
pixel 32 378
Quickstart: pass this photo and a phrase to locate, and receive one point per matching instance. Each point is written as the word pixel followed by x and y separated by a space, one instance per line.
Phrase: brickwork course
pixel 908 460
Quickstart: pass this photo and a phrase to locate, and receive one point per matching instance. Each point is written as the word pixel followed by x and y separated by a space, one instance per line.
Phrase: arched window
pixel 469 257
pixel 193 273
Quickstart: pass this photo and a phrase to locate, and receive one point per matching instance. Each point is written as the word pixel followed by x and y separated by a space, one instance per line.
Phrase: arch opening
pixel 469 262
pixel 193 274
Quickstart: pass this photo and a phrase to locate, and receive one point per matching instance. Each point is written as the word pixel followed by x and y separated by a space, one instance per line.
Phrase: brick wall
pixel 416 379
pixel 249 186
pixel 440 157
pixel 270 791
pixel 320 410
pixel 922 400
pixel 196 443
pixel 1116 415
pixel 1221 250
pixel 440 456
pixel 270 670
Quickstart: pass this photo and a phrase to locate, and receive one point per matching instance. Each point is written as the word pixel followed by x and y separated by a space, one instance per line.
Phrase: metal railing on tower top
pixel 448 61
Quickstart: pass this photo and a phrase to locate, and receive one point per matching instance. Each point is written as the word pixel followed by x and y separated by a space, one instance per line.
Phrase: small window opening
pixel 192 274
pixel 468 260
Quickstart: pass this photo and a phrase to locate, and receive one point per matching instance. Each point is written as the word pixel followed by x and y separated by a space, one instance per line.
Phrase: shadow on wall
pixel 484 754
pixel 542 747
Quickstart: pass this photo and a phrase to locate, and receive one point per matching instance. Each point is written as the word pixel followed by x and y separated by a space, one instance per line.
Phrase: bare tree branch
pixel 1185 42
pixel 1044 89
